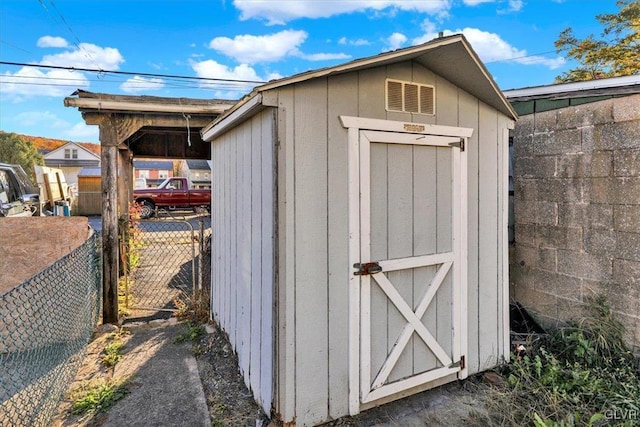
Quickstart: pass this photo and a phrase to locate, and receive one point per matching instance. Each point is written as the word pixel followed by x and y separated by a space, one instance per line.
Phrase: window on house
pixel 206 175
pixel 70 153
pixel 162 174
pixel 143 173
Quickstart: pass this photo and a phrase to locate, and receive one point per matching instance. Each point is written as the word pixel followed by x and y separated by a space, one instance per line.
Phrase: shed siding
pixel 312 204
pixel 242 258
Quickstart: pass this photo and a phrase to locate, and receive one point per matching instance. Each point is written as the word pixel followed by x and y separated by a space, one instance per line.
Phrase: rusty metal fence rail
pixel 45 325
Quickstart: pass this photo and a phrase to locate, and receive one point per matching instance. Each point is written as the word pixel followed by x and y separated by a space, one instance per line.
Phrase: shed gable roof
pixel 451 57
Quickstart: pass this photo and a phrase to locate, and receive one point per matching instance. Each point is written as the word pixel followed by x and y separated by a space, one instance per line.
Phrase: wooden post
pixel 125 180
pixel 47 186
pixel 63 196
pixel 109 160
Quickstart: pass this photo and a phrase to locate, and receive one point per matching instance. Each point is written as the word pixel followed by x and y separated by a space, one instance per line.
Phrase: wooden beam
pixel 110 272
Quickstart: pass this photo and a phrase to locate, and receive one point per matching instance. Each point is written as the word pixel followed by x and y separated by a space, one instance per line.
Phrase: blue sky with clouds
pixel 249 40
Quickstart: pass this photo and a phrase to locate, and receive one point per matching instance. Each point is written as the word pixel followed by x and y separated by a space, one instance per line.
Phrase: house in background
pixel 71 158
pixel 154 171
pixel 198 172
pixel 576 171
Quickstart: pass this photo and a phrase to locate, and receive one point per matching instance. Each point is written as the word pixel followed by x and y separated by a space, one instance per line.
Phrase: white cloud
pixel 249 49
pixel 141 84
pixel 356 42
pixel 36 118
pixel 50 41
pixel 227 90
pixel 87 56
pixel 31 82
pixel 514 6
pixel 82 132
pixel 395 41
pixel 490 47
pixel 278 12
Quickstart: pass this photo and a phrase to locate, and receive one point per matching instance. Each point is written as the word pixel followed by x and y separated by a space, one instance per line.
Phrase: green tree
pixel 16 150
pixel 614 54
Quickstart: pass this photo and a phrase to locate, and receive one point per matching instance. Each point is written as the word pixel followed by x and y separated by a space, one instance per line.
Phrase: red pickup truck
pixel 171 194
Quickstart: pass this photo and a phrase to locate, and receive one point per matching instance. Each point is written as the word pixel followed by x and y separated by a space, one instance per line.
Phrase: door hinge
pixel 459 364
pixel 460 144
pixel 367 268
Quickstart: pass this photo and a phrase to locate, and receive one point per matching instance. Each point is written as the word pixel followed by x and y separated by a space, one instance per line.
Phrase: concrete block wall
pixel 577 211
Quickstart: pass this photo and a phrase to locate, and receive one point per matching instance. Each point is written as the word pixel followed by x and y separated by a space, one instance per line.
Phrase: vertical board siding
pixel 286 339
pixel 488 236
pixel 242 243
pixel 342 99
pixel 256 256
pixel 400 245
pixel 469 119
pixel 267 261
pixel 311 251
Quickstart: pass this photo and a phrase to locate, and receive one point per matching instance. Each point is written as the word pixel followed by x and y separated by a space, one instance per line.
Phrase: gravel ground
pixel 230 402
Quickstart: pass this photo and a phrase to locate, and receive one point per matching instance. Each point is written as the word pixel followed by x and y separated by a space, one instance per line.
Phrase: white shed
pixel 359 226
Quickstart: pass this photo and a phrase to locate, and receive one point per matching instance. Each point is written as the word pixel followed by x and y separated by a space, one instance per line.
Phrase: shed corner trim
pixel 218 127
pixel 406 127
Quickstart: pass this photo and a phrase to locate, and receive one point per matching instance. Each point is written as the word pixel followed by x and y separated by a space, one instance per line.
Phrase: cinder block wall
pixel 577 211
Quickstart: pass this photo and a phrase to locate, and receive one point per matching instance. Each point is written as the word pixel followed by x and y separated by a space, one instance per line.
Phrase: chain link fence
pixel 45 325
pixel 169 262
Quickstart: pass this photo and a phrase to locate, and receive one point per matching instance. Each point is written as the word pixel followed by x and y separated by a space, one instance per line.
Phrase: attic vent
pixel 410 97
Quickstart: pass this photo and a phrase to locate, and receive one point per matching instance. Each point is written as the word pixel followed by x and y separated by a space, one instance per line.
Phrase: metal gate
pixel 169 263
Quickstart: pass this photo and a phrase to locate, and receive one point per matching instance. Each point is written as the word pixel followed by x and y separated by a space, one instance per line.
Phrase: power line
pixel 129 73
pixel 77 41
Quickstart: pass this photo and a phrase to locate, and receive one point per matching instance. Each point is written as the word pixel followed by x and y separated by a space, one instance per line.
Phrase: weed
pixel 194 332
pixel 580 375
pixel 97 398
pixel 112 353
pixel 194 307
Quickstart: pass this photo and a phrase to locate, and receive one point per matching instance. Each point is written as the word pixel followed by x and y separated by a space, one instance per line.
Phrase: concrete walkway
pixel 161 376
pixel 164 383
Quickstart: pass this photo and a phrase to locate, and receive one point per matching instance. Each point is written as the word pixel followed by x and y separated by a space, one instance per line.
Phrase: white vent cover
pixel 410 97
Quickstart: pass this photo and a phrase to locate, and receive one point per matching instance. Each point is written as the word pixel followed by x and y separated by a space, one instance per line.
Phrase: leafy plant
pixel 112 353
pixel 194 331
pixel 577 376
pixel 98 398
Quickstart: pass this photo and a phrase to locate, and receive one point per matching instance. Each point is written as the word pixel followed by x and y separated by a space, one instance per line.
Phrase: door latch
pixel 367 268
pixel 459 144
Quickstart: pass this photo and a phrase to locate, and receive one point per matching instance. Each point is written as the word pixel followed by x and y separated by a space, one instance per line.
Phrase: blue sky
pixel 249 40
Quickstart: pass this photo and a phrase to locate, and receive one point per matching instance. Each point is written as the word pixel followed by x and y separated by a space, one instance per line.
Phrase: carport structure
pixel 138 126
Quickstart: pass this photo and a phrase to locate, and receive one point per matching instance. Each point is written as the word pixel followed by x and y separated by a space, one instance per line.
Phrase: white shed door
pixel 411 271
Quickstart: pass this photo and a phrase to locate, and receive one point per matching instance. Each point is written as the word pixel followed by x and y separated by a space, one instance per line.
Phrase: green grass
pixel 98 398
